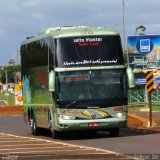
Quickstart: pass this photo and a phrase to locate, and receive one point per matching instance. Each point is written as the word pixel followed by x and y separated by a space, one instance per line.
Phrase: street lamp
pixel 123 33
pixel 123 27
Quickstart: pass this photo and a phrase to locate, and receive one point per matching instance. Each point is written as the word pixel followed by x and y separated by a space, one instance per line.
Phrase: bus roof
pixel 69 31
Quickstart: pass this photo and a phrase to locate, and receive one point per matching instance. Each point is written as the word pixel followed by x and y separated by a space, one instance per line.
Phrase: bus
pixel 75 78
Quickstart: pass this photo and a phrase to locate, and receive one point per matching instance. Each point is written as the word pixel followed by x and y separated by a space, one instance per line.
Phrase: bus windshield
pixel 97 87
pixel 88 51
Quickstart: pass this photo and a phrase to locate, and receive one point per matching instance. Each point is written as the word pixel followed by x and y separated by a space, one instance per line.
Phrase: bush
pixel 7 100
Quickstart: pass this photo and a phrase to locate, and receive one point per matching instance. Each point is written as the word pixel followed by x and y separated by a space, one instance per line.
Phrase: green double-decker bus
pixel 75 78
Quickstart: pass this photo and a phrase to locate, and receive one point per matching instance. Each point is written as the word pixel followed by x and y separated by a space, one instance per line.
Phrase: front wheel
pixel 55 134
pixel 114 132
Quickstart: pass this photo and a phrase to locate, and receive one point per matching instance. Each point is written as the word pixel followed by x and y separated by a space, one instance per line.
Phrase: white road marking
pixel 68 144
pixel 20 145
pixel 90 150
pixel 35 148
pixel 18 141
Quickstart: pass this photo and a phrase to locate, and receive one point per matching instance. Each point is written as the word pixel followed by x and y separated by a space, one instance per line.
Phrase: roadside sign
pixel 149 81
pixel 145 45
pixel 150 89
pixel 18 94
pixel 158 86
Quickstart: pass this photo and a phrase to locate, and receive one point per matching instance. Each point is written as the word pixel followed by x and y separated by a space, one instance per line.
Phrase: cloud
pixel 22 18
pixel 2 33
pixel 31 3
pixel 38 16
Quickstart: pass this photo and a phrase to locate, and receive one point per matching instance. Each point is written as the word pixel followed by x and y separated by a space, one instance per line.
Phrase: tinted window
pixel 89 51
pixel 107 87
pixel 35 54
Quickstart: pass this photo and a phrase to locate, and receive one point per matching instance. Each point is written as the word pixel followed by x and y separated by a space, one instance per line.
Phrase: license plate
pixel 95 124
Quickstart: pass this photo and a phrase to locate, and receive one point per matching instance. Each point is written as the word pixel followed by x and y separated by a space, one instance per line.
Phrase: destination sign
pixel 88 51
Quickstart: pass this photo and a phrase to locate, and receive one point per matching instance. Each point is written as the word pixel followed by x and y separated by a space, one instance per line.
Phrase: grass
pixel 137 108
pixel 10 99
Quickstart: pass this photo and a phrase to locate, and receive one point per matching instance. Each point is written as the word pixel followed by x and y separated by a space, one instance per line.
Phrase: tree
pixel 9 73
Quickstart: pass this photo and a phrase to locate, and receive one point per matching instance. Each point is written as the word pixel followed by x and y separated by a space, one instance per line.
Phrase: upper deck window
pixel 37 53
pixel 89 51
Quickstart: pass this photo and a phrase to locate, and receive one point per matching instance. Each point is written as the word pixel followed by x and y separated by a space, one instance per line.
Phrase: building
pixel 11 62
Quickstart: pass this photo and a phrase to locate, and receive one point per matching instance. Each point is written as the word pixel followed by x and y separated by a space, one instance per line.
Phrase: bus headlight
pixel 67 117
pixel 119 114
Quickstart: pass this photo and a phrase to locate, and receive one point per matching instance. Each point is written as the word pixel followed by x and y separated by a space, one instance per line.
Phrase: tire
pixel 34 129
pixel 114 132
pixel 55 134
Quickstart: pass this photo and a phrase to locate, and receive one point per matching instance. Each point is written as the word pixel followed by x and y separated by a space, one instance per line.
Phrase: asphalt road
pixel 129 142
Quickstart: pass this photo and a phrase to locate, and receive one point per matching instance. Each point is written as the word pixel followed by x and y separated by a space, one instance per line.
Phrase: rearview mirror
pixel 51 83
pixel 131 80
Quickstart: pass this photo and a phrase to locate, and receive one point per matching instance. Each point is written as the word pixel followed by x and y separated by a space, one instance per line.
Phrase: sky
pixel 23 18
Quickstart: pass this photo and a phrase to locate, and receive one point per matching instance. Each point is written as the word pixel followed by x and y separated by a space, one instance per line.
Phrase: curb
pixel 144 129
pixel 11 110
pixel 147 130
pixel 145 121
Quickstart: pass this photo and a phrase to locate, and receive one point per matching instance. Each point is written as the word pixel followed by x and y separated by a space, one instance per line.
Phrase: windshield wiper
pixel 72 103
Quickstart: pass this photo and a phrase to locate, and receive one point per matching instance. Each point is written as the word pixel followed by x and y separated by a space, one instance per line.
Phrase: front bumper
pixel 71 125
